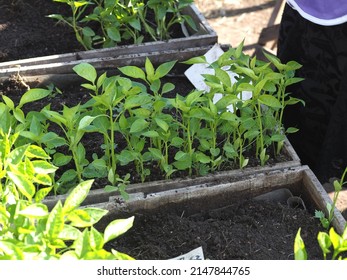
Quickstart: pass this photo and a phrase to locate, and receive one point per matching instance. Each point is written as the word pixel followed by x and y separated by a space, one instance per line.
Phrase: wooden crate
pixel 173 185
pixel 118 56
pixel 301 182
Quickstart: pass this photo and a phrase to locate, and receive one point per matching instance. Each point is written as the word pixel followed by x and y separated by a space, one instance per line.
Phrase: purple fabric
pixel 327 12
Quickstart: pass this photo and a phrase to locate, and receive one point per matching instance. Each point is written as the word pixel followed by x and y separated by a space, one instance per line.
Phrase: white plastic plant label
pixel 196 254
pixel 194 74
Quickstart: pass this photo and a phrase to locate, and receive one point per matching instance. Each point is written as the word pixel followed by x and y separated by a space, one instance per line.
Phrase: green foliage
pixel 332 245
pixel 124 20
pixel 28 230
pixel 257 121
pixel 143 129
pixel 330 208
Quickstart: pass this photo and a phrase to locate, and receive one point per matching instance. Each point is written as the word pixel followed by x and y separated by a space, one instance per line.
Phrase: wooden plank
pixel 193 198
pixel 321 199
pixel 103 63
pixel 100 196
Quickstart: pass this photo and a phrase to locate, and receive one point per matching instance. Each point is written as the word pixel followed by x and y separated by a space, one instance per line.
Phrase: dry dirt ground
pixel 237 20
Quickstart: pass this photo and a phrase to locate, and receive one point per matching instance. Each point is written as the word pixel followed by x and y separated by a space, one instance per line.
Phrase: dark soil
pixel 26 31
pixel 245 230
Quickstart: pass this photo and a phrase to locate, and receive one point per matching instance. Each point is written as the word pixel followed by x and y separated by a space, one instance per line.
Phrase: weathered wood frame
pixel 301 181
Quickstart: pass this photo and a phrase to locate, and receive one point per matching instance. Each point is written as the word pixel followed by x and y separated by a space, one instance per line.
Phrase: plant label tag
pixel 196 255
pixel 195 72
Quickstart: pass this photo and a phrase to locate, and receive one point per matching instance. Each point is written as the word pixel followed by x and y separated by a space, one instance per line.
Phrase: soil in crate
pixel 26 31
pixel 247 230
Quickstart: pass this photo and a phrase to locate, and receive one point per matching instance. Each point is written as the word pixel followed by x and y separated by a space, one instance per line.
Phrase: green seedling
pixel 74 125
pixel 23 169
pixel 29 231
pixel 167 14
pixel 261 115
pixel 330 208
pixel 332 244
pixel 123 20
pixel 83 35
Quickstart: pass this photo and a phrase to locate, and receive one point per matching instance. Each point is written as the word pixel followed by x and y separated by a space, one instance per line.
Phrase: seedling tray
pixel 136 190
pixel 119 56
pixel 300 181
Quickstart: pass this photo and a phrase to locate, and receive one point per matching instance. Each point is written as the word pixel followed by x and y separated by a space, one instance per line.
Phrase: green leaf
pixel 126 157
pixel 117 228
pixel 55 222
pixel 79 4
pixel 42 193
pixel 138 126
pixel 299 247
pixel 87 31
pixel 292 130
pixel 164 69
pixel 86 71
pixel 156 153
pixel 57 16
pixel 79 218
pixel 275 61
pixel 121 256
pixel 200 157
pixel 95 214
pixel 81 244
pixel 33 95
pixel 335 238
pixel 246 71
pixel 277 137
pixel 35 211
pixel 270 101
pixel 69 233
pixel 167 87
pixel 85 122
pixel 151 134
pixel 17 155
pixel 60 159
pixel 113 33
pixel 292 81
pixel 223 76
pixel 8 102
pixel 52 140
pixel 292 65
pixel 42 179
pixel 196 60
pixel 77 196
pixel 133 72
pixel 24 185
pixel 19 115
pixel 68 176
pixel 34 151
pixel 11 251
pixel 337 186
pixel 177 142
pixel 324 242
pixel 183 160
pixel 149 70
pixel 96 240
pixel 162 124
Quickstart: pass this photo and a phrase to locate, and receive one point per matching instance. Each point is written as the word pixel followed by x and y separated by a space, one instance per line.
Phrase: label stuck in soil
pixel 195 72
pixel 196 255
